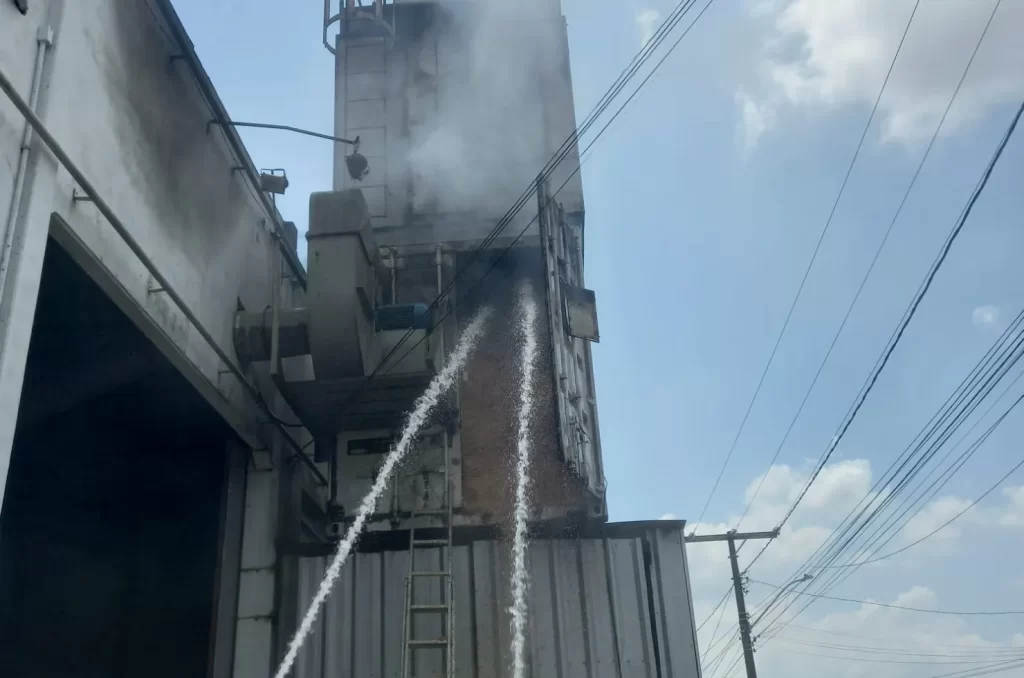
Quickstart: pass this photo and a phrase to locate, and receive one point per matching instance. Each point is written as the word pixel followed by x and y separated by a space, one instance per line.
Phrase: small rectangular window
pixel 365 446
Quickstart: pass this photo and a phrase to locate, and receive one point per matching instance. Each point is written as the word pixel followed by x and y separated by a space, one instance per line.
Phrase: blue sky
pixel 704 202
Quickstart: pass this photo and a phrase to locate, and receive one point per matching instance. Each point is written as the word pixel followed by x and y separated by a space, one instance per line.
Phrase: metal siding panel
pixel 309 663
pixel 463 614
pixel 629 596
pixel 345 592
pixel 543 612
pixel 600 622
pixel 588 611
pixel 674 605
pixel 396 569
pixel 367 595
pixel 485 605
pixel 572 639
pixel 503 573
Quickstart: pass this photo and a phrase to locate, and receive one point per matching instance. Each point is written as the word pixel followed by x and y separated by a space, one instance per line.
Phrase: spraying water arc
pixel 417 418
pixel 520 577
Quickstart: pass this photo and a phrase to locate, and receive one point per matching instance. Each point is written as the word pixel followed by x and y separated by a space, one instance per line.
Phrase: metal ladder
pixel 442 610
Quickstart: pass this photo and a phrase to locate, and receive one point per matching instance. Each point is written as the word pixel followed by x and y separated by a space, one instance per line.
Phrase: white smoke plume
pixel 502 78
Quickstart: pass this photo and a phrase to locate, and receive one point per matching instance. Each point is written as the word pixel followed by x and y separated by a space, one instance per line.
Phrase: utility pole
pixel 737 581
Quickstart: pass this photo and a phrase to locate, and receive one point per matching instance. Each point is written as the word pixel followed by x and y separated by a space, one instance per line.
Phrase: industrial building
pixel 190 414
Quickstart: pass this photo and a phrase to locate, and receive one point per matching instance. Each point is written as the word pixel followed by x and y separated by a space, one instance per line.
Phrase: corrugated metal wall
pixel 596 610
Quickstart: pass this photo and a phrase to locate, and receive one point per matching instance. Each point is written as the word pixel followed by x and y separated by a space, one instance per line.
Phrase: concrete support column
pixel 255 632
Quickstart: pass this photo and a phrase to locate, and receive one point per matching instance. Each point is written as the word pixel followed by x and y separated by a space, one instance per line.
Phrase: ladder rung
pixel 430 512
pixel 430 542
pixel 430 574
pixel 438 642
pixel 429 608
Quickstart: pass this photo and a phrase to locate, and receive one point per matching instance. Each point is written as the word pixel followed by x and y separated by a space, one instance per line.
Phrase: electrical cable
pixel 820 565
pixel 807 271
pixel 888 661
pixel 966 384
pixel 913 309
pixel 712 613
pixel 951 520
pixel 904 323
pixel 572 174
pixel 638 61
pixel 897 607
pixel 875 491
pixel 874 261
pixel 877 639
pixel 1017 652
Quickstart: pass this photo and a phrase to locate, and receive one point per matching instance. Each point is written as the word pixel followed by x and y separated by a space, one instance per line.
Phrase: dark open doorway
pixel 110 524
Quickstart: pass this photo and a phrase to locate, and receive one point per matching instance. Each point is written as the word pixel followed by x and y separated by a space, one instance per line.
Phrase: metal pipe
pixel 286 128
pixel 133 245
pixel 210 94
pixel 44 39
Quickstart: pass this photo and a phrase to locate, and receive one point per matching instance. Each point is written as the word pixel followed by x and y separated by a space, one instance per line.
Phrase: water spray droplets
pixel 520 576
pixel 422 408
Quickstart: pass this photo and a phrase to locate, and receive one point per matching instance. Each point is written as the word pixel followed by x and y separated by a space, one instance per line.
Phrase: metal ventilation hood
pixel 333 343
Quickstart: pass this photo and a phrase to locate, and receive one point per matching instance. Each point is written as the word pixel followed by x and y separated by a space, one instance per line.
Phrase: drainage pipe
pixel 47 138
pixel 44 39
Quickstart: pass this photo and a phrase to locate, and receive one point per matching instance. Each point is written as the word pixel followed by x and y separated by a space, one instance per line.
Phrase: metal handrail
pixel 44 135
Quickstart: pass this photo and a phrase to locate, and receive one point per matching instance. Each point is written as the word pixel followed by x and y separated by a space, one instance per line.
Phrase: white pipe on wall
pixel 44 39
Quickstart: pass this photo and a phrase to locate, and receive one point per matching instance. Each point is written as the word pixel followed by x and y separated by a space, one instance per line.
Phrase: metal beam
pixel 739 536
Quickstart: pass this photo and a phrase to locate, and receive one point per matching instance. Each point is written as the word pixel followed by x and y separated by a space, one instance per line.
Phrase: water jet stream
pixel 417 418
pixel 520 577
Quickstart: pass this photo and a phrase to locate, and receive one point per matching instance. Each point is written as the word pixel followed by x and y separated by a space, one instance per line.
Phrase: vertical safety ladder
pixel 419 575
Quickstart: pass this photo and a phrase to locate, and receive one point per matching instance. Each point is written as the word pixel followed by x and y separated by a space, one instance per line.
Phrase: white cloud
pixel 985 315
pixel 839 488
pixel 669 516
pixel 647 22
pixel 821 54
pixel 755 119
pixel 1013 514
pixel 797 649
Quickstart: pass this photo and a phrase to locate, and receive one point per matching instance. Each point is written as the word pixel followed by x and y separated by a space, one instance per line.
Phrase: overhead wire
pixel 807 271
pixel 914 306
pixel 904 323
pixel 865 649
pixel 875 492
pixel 985 613
pixel 874 261
pixel 522 232
pixel 822 563
pixel 638 61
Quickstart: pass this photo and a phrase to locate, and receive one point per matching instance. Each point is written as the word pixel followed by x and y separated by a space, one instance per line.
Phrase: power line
pixel 874 260
pixel 819 565
pixel 887 661
pixel 1000 369
pixel 522 232
pixel 638 61
pixel 914 306
pixel 978 652
pixel 877 639
pixel 712 614
pixel 948 522
pixel 807 271
pixel 895 607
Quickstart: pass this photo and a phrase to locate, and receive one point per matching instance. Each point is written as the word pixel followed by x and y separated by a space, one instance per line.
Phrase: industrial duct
pixel 343 267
